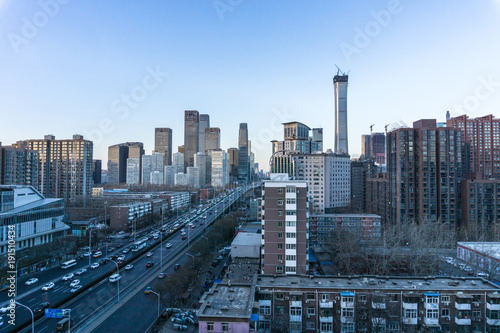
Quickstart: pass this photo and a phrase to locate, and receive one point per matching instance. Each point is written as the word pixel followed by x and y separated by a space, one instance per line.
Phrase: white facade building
pixel 181 179
pixel 178 162
pixel 150 164
pixel 220 168
pixel 200 161
pixel 133 171
pixel 193 174
pixel 169 174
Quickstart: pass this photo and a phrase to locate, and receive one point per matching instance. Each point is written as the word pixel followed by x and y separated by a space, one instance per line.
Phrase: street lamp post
pixel 161 249
pixel 32 316
pixel 89 229
pixel 117 282
pixel 157 294
pixel 69 320
pixel 17 261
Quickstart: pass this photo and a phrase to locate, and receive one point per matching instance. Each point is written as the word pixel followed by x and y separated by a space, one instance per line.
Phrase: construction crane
pixel 371 129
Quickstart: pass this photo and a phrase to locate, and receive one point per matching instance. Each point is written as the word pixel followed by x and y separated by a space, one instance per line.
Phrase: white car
pixel 68 277
pixel 169 245
pixel 75 288
pixel 48 286
pixel 94 265
pixel 31 281
pixel 149 254
pixel 81 271
pixel 87 254
pixel 122 257
pixel 74 283
pixel 5 308
pixel 129 267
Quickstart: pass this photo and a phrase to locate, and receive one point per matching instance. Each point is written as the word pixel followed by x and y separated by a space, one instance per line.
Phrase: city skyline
pixel 258 66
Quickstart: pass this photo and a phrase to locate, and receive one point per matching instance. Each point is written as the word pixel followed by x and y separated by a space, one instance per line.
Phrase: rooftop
pixel 242 270
pixel 228 301
pixel 247 239
pixel 353 283
pixel 491 249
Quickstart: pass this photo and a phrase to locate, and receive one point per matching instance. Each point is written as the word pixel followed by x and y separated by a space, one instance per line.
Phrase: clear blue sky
pixel 64 69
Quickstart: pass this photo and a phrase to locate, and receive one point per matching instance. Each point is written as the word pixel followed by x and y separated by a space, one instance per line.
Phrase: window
pixel 310 311
pixel 290 269
pixel 476 313
pixel 363 298
pixel 291 246
pixel 280 235
pixel 445 312
pixel 280 246
pixel 347 312
pixel 327 327
pixel 290 257
pixel 280 190
pixel 410 313
pixel 432 299
pixel 347 299
pixel 432 314
pixel 280 202
pixel 280 223
pixel 280 213
pixel 347 327
pixel 291 212
pixel 225 327
pixel 265 310
pixel 290 201
pixel 325 297
pixel 445 299
pixel 279 269
pixel 295 311
pixel 290 189
pixel 310 326
pixel 291 223
pixel 291 235
pixel 210 326
pixel 280 309
pixel 280 257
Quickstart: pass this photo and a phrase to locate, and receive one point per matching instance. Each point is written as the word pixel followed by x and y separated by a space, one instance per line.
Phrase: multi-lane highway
pixel 104 294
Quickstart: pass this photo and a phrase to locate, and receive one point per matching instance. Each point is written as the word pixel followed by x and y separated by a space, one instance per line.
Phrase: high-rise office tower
pixel 317 140
pixel 18 166
pixel 151 163
pixel 191 136
pixel 378 147
pixel 284 227
pixel 361 170
pixel 212 139
pixel 424 173
pixel 204 123
pixel 366 145
pixel 243 163
pixel 65 166
pixel 220 168
pixel 483 135
pixel 233 164
pixel 341 134
pixel 193 174
pixel 200 161
pixel 133 171
pixel 178 162
pixel 163 144
pixel 96 171
pixel 169 172
pixel 117 160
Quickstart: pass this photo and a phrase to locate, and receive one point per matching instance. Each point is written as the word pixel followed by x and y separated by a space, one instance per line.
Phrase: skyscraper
pixel 96 171
pixel 212 139
pixel 163 144
pixel 341 134
pixel 204 123
pixel 178 162
pixel 18 166
pixel 243 163
pixel 233 164
pixel 366 145
pixel 220 168
pixel 191 136
pixel 117 160
pixel 378 147
pixel 151 163
pixel 133 171
pixel 200 161
pixel 65 166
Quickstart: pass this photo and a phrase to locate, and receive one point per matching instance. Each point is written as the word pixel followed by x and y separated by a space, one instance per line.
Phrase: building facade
pixel 361 170
pixel 133 171
pixel 117 160
pixel 191 136
pixel 284 226
pixel 19 166
pixel 220 168
pixel 243 163
pixel 200 161
pixel 163 144
pixel 341 129
pixel 204 123
pixel 151 164
pixel 212 139
pixel 97 171
pixel 122 216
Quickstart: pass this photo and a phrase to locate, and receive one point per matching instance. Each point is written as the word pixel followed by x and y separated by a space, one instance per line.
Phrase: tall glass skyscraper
pixel 243 163
pixel 191 136
pixel 163 144
pixel 341 135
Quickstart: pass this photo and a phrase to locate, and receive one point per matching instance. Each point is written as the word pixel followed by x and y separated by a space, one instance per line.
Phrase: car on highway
pixel 191 225
pixel 68 277
pixel 184 237
pixel 41 307
pixel 119 262
pixel 149 254
pixel 97 254
pixel 169 245
pixel 177 266
pixel 31 281
pixel 147 290
pixel 129 267
pixel 111 249
pixel 80 271
pixel 115 277
pixel 75 288
pixel 87 254
pixel 6 308
pixel 74 283
pixel 119 245
pixel 150 264
pixel 48 286
pixel 121 257
pixel 161 275
pixel 94 265
pixel 126 251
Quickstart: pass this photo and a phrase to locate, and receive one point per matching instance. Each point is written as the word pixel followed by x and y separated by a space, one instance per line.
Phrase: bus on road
pixel 139 245
pixel 68 264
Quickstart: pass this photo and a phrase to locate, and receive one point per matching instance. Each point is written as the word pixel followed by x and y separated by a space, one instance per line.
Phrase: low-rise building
pixel 246 245
pixel 122 216
pixel 482 255
pixel 33 219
